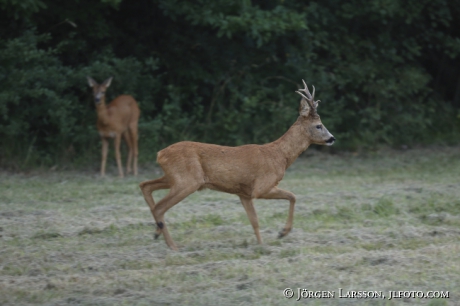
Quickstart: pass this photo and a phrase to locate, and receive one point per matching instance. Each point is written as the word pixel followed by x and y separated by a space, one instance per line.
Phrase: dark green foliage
pixel 225 72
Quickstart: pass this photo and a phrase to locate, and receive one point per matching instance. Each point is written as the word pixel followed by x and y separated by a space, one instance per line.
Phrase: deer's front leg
pixel 276 193
pixel 117 154
pixel 105 149
pixel 251 212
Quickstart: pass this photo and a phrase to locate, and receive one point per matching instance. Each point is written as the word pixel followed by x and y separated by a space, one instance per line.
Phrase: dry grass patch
pixel 384 221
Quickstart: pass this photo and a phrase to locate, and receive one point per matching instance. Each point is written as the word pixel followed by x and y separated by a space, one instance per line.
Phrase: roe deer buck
pixel 249 171
pixel 116 119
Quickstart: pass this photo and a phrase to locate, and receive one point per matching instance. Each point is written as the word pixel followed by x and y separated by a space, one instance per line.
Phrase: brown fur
pixel 116 119
pixel 249 171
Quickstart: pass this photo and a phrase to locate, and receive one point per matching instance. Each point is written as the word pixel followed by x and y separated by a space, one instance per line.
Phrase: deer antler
pixel 309 97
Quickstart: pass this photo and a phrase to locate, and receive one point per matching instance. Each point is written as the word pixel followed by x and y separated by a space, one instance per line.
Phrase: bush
pixel 225 72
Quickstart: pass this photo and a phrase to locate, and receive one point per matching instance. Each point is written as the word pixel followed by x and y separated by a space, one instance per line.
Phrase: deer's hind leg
pixel 147 187
pixel 134 135
pixel 176 194
pixel 129 143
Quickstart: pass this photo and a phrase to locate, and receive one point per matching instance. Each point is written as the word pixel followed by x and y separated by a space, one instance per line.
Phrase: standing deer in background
pixel 249 171
pixel 115 119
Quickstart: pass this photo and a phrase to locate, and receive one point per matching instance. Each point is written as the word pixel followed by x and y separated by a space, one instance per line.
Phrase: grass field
pixel 386 221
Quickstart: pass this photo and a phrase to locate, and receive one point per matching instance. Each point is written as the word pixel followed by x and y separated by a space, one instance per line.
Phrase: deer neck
pixel 102 112
pixel 292 143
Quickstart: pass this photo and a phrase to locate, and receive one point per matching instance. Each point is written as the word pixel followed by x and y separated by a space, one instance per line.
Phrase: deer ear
pixel 107 82
pixel 91 82
pixel 304 108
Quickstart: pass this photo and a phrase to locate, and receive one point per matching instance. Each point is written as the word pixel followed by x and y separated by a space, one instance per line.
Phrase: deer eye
pixel 319 127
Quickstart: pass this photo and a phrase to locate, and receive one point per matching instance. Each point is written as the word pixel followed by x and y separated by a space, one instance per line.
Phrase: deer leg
pixel 249 207
pixel 175 195
pixel 147 188
pixel 276 193
pixel 134 139
pixel 118 155
pixel 128 140
pixel 105 149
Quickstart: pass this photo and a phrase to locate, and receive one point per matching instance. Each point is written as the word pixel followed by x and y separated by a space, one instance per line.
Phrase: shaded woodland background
pixel 225 71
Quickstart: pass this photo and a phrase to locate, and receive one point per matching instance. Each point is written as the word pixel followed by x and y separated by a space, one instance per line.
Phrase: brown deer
pixel 116 119
pixel 249 171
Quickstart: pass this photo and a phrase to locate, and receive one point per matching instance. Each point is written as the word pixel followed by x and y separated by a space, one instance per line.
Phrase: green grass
pixel 384 221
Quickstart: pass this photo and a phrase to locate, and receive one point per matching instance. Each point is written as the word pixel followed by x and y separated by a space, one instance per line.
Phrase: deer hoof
pixel 155 236
pixel 283 233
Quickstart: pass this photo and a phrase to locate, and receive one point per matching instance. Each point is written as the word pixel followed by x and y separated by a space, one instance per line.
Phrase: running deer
pixel 249 171
pixel 116 119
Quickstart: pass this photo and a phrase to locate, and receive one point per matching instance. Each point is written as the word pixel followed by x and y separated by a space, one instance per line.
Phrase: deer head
pixel 99 90
pixel 316 131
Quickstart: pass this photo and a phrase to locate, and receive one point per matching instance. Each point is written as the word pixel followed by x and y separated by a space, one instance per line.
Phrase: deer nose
pixel 331 140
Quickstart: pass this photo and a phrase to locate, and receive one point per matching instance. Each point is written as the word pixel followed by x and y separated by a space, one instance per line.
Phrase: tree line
pixel 225 71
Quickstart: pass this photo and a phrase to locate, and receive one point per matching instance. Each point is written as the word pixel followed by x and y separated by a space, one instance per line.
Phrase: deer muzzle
pixel 330 141
pixel 98 97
